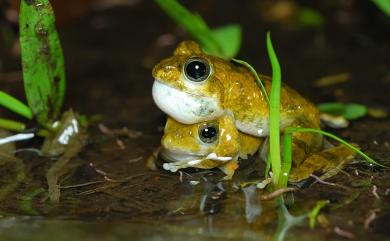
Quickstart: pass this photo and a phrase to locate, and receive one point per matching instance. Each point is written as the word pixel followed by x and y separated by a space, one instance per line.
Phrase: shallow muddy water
pixel 110 194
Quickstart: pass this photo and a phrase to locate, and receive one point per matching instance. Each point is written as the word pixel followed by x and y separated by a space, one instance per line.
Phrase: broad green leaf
pixel 223 42
pixel 42 60
pixel 15 105
pixel 193 24
pixel 229 39
pixel 348 111
pixel 383 5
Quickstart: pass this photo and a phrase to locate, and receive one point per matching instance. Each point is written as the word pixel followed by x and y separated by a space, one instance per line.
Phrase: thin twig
pixel 81 184
pixel 375 192
pixel 277 193
pixel 371 217
pixel 318 179
pixel 343 233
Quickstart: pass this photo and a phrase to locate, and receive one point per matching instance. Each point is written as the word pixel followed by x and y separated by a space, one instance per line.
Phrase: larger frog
pixel 192 86
pixel 219 144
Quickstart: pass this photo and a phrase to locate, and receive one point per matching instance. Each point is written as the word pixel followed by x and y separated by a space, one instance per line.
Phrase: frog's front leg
pixel 329 162
pixel 229 169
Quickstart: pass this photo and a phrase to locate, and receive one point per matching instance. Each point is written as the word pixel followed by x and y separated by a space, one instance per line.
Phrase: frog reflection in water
pixel 219 144
pixel 193 87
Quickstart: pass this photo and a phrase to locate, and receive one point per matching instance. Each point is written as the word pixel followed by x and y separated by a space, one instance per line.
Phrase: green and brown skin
pixel 232 90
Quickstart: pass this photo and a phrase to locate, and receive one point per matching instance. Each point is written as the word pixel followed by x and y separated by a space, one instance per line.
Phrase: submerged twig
pixel 318 179
pixel 371 217
pixel 277 193
pixel 343 233
pixel 375 192
pixel 114 183
pixel 81 184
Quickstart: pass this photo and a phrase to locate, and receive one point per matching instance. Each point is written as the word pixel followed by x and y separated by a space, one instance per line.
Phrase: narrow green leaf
pixel 15 105
pixel 274 118
pixel 42 60
pixel 383 5
pixel 11 125
pixel 229 39
pixel 348 111
pixel 315 211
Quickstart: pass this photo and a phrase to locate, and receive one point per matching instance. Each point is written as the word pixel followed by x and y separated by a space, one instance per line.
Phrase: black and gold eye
pixel 197 69
pixel 208 133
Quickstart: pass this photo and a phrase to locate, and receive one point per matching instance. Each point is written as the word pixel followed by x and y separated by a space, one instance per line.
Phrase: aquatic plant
pixel 43 68
pixel 44 87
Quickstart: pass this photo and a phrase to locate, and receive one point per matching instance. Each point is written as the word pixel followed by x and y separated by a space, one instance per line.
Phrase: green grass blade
pixel 315 211
pixel 257 78
pixel 42 60
pixel 15 105
pixel 11 125
pixel 365 156
pixel 274 118
pixel 193 24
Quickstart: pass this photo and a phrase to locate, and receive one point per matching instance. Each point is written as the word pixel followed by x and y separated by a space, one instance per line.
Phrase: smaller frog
pixel 219 144
pixel 206 145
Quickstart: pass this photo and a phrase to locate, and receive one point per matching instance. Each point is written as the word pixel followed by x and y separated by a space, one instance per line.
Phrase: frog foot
pixel 229 169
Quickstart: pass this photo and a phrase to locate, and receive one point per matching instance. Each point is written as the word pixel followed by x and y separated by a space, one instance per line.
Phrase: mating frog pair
pixel 217 114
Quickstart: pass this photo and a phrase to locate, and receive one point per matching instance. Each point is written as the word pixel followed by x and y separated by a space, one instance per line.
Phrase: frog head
pixel 188 84
pixel 203 145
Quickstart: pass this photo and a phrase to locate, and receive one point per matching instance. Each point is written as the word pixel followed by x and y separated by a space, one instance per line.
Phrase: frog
pixel 206 145
pixel 192 86
pixel 219 144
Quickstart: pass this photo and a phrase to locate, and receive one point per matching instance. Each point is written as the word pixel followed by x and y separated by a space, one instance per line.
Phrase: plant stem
pixel 274 116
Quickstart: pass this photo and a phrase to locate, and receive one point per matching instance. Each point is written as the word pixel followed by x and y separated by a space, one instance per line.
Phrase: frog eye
pixel 208 133
pixel 197 69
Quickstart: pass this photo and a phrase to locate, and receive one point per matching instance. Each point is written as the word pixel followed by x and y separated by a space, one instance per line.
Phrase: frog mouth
pixel 176 156
pixel 177 160
pixel 185 107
